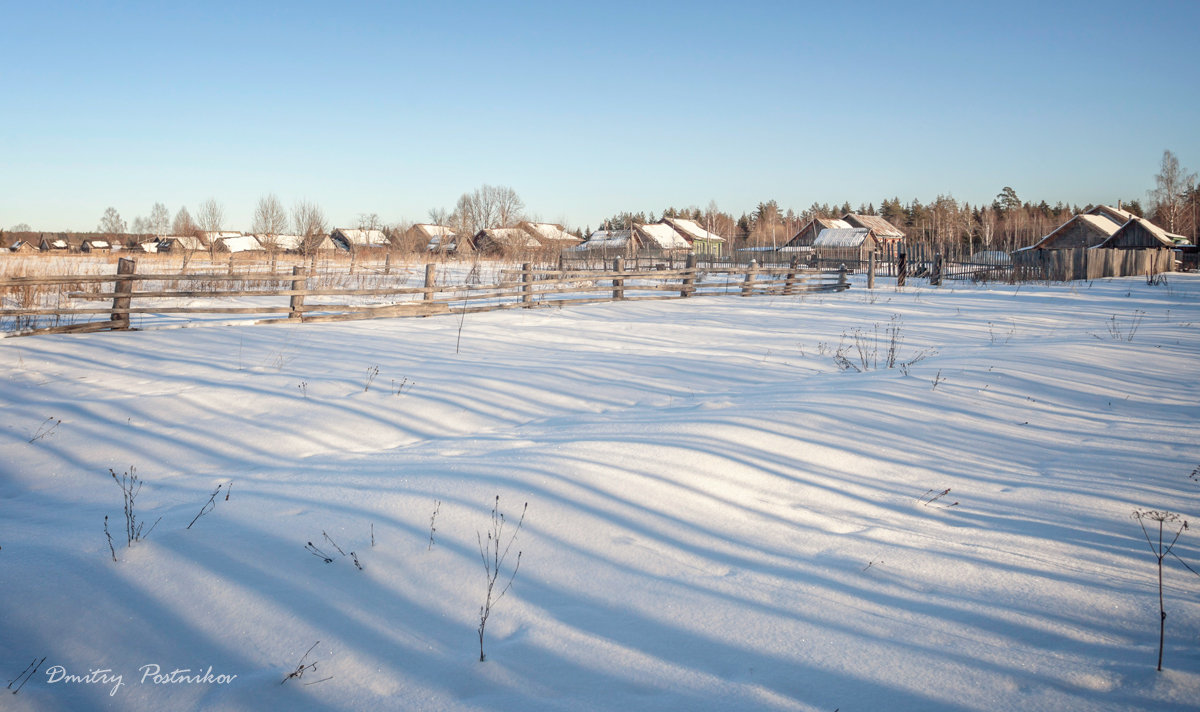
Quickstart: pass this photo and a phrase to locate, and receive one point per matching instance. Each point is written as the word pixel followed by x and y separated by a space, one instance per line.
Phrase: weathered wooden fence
pixel 293 298
pixel 1093 263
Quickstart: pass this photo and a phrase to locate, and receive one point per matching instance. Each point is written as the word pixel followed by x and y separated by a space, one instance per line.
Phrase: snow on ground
pixel 719 517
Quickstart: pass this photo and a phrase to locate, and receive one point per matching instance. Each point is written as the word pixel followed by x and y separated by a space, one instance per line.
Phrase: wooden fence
pixel 1068 265
pixel 293 298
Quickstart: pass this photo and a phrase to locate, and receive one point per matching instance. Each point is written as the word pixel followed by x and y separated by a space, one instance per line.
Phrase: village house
pixel 436 238
pixel 358 240
pixel 507 241
pixel 808 234
pixel 702 241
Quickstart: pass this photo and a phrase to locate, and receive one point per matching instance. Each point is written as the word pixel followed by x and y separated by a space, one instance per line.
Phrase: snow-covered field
pixel 719 517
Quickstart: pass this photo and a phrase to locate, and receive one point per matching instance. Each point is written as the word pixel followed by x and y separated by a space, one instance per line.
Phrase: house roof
pixel 187 242
pixel 433 231
pixel 1163 237
pixel 663 236
pixel 692 230
pixel 821 224
pixel 1097 223
pixel 513 238
pixel 1116 215
pixel 550 233
pixel 602 240
pixel 876 224
pixel 210 235
pixel 241 243
pixel 362 238
pixel 842 237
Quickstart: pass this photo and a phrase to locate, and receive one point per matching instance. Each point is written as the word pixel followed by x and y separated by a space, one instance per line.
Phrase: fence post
pixel 689 277
pixel 299 282
pixel 748 285
pixel 430 281
pixel 791 275
pixel 618 284
pixel 527 284
pixel 387 263
pixel 871 270
pixel 936 278
pixel 901 267
pixel 842 282
pixel 122 287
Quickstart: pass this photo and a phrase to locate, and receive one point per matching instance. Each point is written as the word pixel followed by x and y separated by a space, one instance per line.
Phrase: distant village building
pixel 354 239
pixel 240 243
pixel 849 245
pixel 702 241
pixel 550 236
pixel 1083 230
pixel 808 234
pixel 436 238
pixel 505 241
pixel 661 238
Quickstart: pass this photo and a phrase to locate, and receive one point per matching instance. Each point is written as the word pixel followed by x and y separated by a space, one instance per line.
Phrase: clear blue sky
pixel 586 109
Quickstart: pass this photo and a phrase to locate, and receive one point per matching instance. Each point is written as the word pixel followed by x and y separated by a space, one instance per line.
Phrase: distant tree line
pixel 1007 223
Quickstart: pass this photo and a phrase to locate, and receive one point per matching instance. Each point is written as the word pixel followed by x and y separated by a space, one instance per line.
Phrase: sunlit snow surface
pixel 719 516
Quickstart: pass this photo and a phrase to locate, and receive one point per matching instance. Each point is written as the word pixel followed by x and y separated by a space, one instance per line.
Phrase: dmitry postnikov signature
pixel 150 674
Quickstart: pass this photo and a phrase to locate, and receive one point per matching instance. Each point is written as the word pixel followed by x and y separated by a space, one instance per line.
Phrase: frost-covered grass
pixel 719 517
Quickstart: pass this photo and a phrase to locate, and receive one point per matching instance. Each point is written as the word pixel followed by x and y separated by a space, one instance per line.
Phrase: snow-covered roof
pixel 151 246
pixel 604 241
pixel 362 238
pixel 1163 237
pixel 187 242
pixel 692 230
pixel 512 238
pixel 1099 223
pixel 841 237
pixel 663 236
pixel 1116 215
pixel 282 242
pixel 549 232
pixel 876 224
pixel 433 231
pixel 98 244
pixel 211 235
pixel 241 243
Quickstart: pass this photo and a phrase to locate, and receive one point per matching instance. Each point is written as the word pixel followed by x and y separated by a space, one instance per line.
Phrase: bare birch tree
pixel 111 223
pixel 309 221
pixel 1171 184
pixel 183 223
pixel 270 219
pixel 159 221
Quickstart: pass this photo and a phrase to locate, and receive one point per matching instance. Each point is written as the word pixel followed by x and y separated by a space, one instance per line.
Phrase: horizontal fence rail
pixel 67 304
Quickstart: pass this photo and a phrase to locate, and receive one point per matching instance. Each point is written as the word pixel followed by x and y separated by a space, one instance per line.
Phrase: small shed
pixel 849 245
pixel 22 246
pixel 95 246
